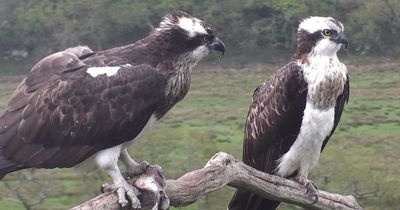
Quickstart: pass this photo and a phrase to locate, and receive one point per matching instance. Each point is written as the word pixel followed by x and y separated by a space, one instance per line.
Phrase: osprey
pixel 79 106
pixel 294 113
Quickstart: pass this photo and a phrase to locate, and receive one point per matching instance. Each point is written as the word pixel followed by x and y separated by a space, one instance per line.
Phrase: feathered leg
pixel 108 160
pixel 123 188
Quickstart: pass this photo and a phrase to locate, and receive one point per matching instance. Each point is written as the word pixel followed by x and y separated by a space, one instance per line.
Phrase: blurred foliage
pixel 361 159
pixel 249 27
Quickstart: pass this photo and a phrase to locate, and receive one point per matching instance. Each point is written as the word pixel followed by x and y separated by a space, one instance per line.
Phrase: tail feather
pixel 7 166
pixel 243 200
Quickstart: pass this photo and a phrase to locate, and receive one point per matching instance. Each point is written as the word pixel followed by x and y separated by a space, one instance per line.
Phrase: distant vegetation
pixel 249 27
pixel 362 158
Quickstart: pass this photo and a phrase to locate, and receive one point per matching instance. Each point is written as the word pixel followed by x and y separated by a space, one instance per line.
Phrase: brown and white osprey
pixel 294 113
pixel 79 106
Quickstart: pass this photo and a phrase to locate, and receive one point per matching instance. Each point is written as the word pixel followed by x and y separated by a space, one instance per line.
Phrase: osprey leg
pixel 123 188
pixel 132 166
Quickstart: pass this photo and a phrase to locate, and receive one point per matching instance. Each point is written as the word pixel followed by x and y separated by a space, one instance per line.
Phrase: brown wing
pixel 340 102
pixel 61 121
pixel 57 63
pixel 274 118
pixel 272 125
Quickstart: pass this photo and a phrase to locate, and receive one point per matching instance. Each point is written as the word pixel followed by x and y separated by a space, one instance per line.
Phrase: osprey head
pixel 190 35
pixel 320 36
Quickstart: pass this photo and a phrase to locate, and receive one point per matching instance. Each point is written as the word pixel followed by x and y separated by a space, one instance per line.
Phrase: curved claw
pixel 124 189
pixel 143 166
pixel 312 190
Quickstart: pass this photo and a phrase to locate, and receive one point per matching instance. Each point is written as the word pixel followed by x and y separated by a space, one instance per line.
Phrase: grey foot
pixel 312 189
pixel 123 189
pixel 138 169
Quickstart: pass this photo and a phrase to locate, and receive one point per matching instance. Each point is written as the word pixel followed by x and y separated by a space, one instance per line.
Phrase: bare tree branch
pixel 221 170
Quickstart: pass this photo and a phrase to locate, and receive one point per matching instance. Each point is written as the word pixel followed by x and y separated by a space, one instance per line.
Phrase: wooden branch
pixel 223 169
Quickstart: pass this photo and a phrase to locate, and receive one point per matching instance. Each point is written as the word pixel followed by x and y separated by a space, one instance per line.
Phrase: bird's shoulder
pixel 57 63
pixel 76 67
pixel 273 96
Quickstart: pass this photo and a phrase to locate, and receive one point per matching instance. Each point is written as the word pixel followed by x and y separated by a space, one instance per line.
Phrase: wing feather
pixel 274 118
pixel 60 115
pixel 341 101
pixel 60 62
pixel 272 124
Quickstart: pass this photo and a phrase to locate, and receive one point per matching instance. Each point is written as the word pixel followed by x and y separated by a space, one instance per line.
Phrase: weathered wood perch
pixel 223 169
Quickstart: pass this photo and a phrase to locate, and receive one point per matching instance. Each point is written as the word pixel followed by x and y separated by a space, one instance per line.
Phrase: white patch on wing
pixel 126 65
pixel 304 153
pixel 105 70
pixel 313 24
pixel 108 158
pixel 192 26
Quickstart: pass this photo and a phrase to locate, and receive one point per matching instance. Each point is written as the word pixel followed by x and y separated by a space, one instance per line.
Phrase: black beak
pixel 341 39
pixel 217 45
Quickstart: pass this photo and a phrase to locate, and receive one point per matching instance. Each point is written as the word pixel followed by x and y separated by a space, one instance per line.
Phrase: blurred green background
pixel 362 157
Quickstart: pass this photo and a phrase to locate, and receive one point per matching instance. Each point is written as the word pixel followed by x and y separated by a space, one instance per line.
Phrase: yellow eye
pixel 206 39
pixel 327 32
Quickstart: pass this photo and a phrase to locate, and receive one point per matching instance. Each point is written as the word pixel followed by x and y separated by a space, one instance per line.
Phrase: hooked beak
pixel 341 39
pixel 217 45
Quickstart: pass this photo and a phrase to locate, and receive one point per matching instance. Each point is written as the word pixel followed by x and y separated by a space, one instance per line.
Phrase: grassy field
pixel 362 158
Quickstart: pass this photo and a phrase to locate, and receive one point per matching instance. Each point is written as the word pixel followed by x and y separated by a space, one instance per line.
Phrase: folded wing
pixel 60 115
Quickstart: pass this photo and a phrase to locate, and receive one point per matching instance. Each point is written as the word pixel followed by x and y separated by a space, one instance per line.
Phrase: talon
pixel 143 165
pixel 159 170
pixel 316 199
pixel 135 201
pixel 138 169
pixel 312 189
pixel 121 197
pixel 124 189
pixel 107 187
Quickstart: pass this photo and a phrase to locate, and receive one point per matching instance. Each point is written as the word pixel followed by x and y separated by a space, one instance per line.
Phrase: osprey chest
pixel 326 81
pixel 178 84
